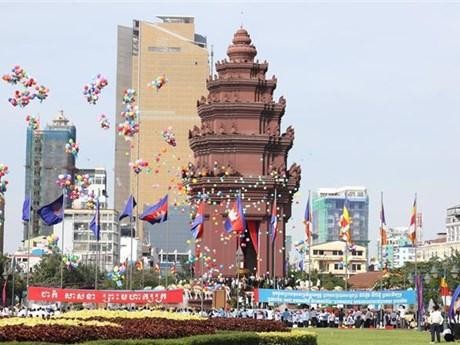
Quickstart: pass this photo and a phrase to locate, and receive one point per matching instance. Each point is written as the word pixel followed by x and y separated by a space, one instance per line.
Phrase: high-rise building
pixel 328 207
pixel 145 51
pixel 45 160
pixel 80 240
pixel 2 221
pixel 398 249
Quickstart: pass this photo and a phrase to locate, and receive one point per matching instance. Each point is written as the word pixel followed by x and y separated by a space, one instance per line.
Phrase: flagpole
pixel 167 246
pixel 62 237
pixel 274 239
pixel 258 250
pixel 381 231
pixel 310 235
pixel 415 260
pixel 13 269
pixel 131 250
pixel 28 242
pixel 98 235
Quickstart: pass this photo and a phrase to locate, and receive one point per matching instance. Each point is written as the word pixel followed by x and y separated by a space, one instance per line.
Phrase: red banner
pixel 36 293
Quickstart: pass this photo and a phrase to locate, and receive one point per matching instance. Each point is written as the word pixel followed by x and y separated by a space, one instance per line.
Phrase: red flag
pixel 413 224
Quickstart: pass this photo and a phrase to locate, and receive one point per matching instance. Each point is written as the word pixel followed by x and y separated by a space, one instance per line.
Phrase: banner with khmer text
pixel 45 294
pixel 334 297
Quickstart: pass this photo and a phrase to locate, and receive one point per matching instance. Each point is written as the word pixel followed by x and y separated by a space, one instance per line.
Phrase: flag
pixel 273 222
pixel 344 223
pixel 128 210
pixel 452 308
pixel 235 220
pixel 139 265
pixel 26 210
pixel 52 213
pixel 308 220
pixel 301 264
pixel 197 225
pixel 95 224
pixel 157 268
pixel 413 224
pixel 444 288
pixel 383 228
pixel 157 213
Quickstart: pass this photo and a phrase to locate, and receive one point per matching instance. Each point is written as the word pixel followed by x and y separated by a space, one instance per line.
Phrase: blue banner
pixel 335 297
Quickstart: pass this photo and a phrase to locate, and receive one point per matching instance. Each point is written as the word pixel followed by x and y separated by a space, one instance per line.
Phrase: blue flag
pixel 52 213
pixel 128 210
pixel 95 224
pixel 26 210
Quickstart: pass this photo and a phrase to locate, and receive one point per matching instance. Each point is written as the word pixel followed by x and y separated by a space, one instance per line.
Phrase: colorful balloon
pixel 168 136
pixel 159 82
pixel 92 90
pixel 104 121
pixel 72 147
pixel 138 165
pixel 33 122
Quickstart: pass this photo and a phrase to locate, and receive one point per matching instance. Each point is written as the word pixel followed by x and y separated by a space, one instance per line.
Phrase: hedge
pixel 230 338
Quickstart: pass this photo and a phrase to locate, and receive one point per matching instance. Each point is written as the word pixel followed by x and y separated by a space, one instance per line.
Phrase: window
pixel 321 252
pixel 315 252
pixel 337 266
pixel 359 253
pixel 164 49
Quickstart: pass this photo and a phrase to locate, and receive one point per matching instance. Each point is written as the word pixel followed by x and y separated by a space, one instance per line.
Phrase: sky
pixel 372 90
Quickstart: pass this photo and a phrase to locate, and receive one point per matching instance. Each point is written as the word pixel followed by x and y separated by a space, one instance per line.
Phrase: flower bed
pixel 138 314
pixel 131 328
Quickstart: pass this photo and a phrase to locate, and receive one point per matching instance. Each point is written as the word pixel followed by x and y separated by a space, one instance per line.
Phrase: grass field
pixel 328 336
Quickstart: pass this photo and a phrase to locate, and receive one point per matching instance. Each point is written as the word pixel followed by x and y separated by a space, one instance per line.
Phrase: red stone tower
pixel 239 150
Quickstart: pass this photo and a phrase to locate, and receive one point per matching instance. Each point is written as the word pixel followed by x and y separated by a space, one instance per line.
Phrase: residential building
pixel 328 208
pixel 97 188
pixel 170 47
pixel 438 247
pixel 45 160
pixel 78 238
pixel 398 250
pixel 330 257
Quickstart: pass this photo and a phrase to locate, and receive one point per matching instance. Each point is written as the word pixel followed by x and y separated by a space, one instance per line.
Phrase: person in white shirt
pixel 436 321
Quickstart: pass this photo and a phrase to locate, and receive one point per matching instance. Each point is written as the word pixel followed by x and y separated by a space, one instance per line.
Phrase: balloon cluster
pixel 17 75
pixel 92 90
pixel 83 180
pixel 168 136
pixel 159 82
pixel 104 121
pixel 52 241
pixel 33 122
pixel 71 261
pixel 72 147
pixel 118 274
pixel 138 165
pixel 64 181
pixel 74 192
pixel 3 181
pixel 130 126
pixel 30 88
pixel 91 200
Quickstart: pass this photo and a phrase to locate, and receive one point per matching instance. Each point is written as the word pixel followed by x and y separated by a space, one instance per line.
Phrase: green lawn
pixel 328 336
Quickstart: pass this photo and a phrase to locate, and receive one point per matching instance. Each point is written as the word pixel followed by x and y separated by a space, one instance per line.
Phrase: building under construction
pixel 45 160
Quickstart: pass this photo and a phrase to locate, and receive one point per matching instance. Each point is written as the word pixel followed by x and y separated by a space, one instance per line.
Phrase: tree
pixel 48 273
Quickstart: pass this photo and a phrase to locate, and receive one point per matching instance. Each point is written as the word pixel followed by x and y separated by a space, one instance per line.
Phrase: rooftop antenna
pixel 242 15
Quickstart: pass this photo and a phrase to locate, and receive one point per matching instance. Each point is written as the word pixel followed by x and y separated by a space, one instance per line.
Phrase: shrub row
pixel 150 328
pixel 247 338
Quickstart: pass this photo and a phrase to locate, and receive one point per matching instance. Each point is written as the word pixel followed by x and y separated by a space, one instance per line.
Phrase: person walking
pixel 436 321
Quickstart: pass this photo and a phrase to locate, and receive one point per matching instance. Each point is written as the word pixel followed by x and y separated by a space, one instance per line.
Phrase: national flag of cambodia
pixel 198 223
pixel 308 221
pixel 157 213
pixel 413 224
pixel 273 222
pixel 344 224
pixel 173 269
pixel 444 288
pixel 383 228
pixel 235 220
